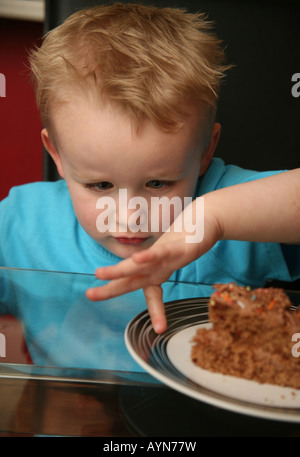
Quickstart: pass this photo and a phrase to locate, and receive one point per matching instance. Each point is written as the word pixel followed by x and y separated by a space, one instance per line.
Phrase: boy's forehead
pixel 101 144
pixel 80 116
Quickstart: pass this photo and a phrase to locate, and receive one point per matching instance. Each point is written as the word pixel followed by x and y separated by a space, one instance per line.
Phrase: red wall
pixel 20 126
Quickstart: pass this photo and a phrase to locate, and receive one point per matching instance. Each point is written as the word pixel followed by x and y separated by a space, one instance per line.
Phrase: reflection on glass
pixel 62 328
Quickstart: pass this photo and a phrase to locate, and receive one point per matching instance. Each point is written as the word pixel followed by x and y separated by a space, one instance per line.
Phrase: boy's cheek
pixel 86 215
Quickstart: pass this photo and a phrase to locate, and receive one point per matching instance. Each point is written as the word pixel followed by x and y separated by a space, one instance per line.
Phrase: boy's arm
pixel 265 210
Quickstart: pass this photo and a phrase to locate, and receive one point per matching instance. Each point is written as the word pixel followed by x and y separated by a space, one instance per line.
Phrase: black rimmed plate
pixel 167 358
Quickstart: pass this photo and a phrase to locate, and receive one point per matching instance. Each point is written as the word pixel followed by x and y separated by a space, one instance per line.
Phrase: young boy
pixel 128 97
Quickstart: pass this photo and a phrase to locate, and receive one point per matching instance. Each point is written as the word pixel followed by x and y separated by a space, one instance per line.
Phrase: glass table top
pixel 48 328
pixel 65 369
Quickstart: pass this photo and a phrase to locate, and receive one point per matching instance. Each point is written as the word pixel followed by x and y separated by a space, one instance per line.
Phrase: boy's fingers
pixel 114 288
pixel 142 262
pixel 123 269
pixel 153 295
pixel 112 272
pixel 148 255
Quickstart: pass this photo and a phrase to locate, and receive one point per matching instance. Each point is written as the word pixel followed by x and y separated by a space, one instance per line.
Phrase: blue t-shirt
pixel 39 230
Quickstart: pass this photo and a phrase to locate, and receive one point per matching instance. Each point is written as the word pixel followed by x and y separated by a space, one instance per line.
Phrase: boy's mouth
pixel 132 241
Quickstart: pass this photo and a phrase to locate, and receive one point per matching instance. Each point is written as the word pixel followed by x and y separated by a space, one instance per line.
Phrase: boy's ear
pixel 210 150
pixel 49 145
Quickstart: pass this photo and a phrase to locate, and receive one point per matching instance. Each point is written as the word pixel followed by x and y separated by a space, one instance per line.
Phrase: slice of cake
pixel 252 335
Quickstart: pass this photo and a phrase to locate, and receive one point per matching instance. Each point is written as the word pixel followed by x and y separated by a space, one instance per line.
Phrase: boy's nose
pixel 132 219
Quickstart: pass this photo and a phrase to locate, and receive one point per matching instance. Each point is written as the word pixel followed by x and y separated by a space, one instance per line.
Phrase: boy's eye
pixel 103 185
pixel 156 184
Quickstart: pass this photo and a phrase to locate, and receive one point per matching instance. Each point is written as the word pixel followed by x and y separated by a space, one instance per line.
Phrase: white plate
pixel 167 358
pixel 179 349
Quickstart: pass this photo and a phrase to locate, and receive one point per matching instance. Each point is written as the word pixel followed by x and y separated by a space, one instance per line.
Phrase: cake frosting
pixel 251 335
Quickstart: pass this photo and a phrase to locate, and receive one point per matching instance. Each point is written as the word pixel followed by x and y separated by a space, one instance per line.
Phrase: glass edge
pixel 34 372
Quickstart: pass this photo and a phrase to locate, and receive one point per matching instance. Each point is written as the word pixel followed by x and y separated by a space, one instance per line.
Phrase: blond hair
pixel 148 60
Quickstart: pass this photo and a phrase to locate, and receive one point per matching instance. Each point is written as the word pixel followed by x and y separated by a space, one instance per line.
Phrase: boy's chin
pixel 124 248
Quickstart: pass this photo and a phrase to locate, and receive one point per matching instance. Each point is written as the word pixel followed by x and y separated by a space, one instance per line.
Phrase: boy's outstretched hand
pixel 148 270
